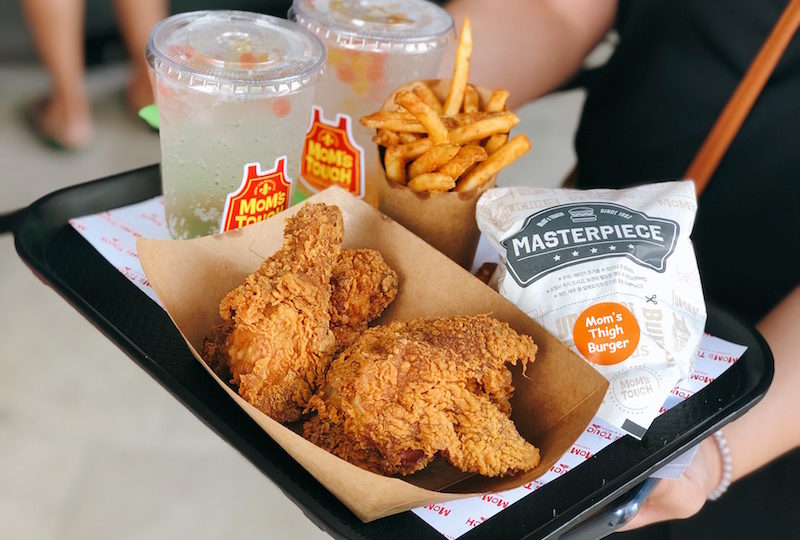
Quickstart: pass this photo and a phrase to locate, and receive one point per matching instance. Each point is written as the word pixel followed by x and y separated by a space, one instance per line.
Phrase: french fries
pixel 393 121
pixel 425 115
pixel 497 101
pixel 431 160
pixel 495 142
pixel 395 165
pixel 441 142
pixel 470 99
pixel 428 97
pixel 412 150
pixel 466 157
pixel 460 72
pixel 404 122
pixel 484 128
pixel 386 138
pixel 408 137
pixel 488 168
pixel 436 182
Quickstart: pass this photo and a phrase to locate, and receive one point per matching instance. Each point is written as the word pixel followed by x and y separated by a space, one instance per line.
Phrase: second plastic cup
pixel 234 91
pixel 374 46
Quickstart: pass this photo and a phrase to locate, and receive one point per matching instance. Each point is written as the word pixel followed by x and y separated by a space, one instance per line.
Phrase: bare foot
pixel 139 92
pixel 67 125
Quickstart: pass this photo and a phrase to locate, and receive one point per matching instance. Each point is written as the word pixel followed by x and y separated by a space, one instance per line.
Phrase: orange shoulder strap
pixel 730 120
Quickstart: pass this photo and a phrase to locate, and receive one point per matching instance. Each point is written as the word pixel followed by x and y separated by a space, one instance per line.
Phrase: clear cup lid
pixel 404 26
pixel 236 52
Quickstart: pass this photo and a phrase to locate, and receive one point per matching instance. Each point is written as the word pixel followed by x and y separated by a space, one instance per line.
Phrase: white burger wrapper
pixel 612 273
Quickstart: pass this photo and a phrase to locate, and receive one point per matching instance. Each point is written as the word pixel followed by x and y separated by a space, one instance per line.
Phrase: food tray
pixel 62 259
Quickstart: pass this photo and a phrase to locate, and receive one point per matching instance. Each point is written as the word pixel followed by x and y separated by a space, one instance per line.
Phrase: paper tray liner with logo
pixel 553 403
pixel 444 220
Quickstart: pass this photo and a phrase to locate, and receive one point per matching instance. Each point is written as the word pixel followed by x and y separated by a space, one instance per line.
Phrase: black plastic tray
pixel 65 261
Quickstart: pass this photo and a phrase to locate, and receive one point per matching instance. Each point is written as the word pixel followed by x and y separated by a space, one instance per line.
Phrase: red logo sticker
pixel 331 156
pixel 261 195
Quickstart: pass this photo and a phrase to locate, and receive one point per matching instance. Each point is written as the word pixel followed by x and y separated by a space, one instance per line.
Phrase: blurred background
pixel 90 446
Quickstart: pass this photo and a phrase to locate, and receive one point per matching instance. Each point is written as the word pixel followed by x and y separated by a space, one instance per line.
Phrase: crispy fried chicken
pixel 362 286
pixel 282 325
pixel 280 342
pixel 406 391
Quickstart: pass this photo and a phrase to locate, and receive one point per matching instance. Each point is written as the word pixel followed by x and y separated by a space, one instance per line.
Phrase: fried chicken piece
pixel 280 342
pixel 362 286
pixel 406 391
pixel 215 350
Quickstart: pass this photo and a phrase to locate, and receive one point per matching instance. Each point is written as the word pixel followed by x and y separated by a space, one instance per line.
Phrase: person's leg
pixel 136 20
pixel 57 30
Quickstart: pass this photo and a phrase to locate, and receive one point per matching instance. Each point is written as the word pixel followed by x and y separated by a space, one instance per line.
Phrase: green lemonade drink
pixel 374 47
pixel 234 92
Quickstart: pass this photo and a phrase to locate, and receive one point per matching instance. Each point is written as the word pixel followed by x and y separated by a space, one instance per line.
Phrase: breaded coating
pixel 362 286
pixel 406 391
pixel 282 323
pixel 281 343
pixel 215 350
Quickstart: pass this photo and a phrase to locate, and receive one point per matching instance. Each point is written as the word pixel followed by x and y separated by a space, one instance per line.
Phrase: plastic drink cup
pixel 374 46
pixel 234 91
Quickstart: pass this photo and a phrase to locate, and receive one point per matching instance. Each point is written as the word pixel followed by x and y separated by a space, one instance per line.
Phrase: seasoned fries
pixel 428 97
pixel 460 72
pixel 393 121
pixel 386 138
pixel 395 165
pixel 495 142
pixel 466 158
pixel 413 150
pixel 432 159
pixel 497 101
pixel 440 142
pixel 432 182
pixel 408 137
pixel 471 99
pixel 484 128
pixel 404 122
pixel 426 116
pixel 488 168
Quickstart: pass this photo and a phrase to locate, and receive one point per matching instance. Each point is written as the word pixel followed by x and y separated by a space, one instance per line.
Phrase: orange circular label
pixel 606 333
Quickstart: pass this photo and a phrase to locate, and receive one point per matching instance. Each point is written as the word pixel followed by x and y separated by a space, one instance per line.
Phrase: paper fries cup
pixel 444 220
pixel 553 402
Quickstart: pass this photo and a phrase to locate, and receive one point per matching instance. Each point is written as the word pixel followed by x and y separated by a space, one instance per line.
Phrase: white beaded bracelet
pixel 727 466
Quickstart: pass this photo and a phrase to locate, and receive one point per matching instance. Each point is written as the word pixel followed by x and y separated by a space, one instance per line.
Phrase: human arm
pixel 760 436
pixel 531 47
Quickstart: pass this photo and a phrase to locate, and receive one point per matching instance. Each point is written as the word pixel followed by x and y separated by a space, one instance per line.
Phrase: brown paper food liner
pixel 444 220
pixel 553 402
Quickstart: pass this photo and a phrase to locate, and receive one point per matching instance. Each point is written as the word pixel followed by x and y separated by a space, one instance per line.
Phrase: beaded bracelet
pixel 727 466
